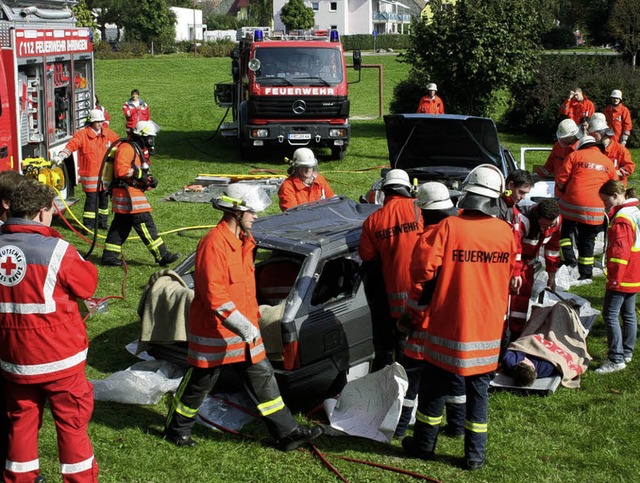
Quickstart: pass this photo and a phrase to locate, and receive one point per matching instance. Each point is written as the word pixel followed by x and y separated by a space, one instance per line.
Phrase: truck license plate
pixel 299 136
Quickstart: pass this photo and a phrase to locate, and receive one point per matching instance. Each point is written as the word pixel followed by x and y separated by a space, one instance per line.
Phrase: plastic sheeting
pixel 370 407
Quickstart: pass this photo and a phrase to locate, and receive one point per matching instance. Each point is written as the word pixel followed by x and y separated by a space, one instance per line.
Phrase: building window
pixel 315 6
pixel 333 6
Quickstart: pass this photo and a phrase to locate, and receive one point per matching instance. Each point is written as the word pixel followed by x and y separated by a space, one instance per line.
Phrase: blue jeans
pixel 621 340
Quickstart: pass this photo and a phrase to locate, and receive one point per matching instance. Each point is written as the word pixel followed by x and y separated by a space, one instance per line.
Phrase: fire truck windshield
pixel 299 66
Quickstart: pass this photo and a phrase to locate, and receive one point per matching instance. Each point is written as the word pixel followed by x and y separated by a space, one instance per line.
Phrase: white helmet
pixel 568 128
pixel 433 196
pixel 599 126
pixel 146 128
pixel 304 157
pixel 598 115
pixel 485 180
pixel 431 86
pixel 397 177
pixel 586 141
pixel 96 115
pixel 616 93
pixel 243 197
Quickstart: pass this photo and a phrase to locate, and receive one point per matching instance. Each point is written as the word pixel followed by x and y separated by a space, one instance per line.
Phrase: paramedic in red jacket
pixel 135 110
pixel 540 226
pixel 92 143
pixel 43 339
pixel 623 274
pixel 304 184
pixel 473 256
pixel 129 204
pixel 223 324
pixel 389 235
pixel 567 135
pixel 431 103
pixel 577 106
pixel 577 182
pixel 618 117
pixel 615 151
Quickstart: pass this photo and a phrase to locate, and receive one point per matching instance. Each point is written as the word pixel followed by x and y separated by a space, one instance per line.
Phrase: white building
pixel 351 17
pixel 187 21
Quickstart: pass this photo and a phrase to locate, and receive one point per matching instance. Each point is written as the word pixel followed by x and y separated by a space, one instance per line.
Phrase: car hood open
pixel 435 141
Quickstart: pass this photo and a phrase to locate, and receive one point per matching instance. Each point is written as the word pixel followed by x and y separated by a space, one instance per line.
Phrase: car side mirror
pixel 357 60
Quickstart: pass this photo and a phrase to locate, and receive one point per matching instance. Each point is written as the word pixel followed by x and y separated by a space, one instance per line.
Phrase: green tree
pixel 475 50
pixel 150 21
pixel 84 17
pixel 109 12
pixel 295 15
pixel 624 24
pixel 261 12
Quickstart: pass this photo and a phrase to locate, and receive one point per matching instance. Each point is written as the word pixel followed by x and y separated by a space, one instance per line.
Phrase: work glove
pixel 152 182
pixel 404 323
pixel 240 325
pixel 57 159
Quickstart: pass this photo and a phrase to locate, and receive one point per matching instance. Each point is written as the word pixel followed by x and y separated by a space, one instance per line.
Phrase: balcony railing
pixel 391 17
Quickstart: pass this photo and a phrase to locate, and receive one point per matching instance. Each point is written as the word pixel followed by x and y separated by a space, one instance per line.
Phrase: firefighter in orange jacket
pixel 615 151
pixel 304 184
pixel 435 203
pixel 431 103
pixel 577 182
pixel 43 339
pixel 130 206
pixel 92 142
pixel 223 324
pixel 618 117
pixel 577 106
pixel 389 235
pixel 567 135
pixel 472 257
pixel 540 226
pixel 623 274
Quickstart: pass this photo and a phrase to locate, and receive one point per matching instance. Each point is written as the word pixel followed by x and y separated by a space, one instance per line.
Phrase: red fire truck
pixel 46 86
pixel 288 90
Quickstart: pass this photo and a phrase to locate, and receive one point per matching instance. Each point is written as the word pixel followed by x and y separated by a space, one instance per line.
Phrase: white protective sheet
pixel 370 407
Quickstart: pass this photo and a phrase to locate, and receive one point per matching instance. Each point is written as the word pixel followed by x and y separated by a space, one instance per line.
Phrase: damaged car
pixel 315 319
pixel 443 148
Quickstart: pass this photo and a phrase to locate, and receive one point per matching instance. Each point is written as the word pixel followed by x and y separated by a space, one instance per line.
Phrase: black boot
pixel 181 441
pixel 168 259
pixel 299 436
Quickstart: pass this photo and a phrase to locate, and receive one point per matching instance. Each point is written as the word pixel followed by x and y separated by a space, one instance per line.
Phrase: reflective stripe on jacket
pixel 578 180
pixel 224 288
pixel 294 192
pixel 127 199
pixel 473 256
pixel 557 156
pixel 133 113
pixel 623 248
pixel 621 159
pixel 42 335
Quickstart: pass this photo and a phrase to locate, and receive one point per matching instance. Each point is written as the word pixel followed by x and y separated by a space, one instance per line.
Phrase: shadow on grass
pixel 107 351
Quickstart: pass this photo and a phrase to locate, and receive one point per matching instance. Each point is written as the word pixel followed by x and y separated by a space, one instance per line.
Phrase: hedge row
pixel 383 41
pixel 129 50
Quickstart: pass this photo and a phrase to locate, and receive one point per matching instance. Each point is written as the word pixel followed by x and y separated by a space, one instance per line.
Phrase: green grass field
pixel 590 434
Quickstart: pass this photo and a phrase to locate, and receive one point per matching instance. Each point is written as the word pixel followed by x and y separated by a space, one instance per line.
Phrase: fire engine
pixel 288 90
pixel 46 86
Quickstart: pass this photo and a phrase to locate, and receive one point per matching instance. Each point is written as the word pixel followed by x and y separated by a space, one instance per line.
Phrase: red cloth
pixel 618 119
pixel 621 159
pixel 427 105
pixel 623 248
pixel 576 110
pixel 224 287
pixel 294 192
pixel 133 113
pixel 557 156
pixel 473 257
pixel 91 147
pixel 390 235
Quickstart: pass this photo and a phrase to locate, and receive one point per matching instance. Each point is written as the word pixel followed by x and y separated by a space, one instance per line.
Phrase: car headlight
pixel 259 133
pixel 336 133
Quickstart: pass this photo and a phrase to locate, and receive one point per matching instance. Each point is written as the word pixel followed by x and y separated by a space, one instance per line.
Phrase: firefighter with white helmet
pixel 304 183
pixel 130 206
pixel 386 243
pixel 431 103
pixel 91 143
pixel 567 135
pixel 615 151
pixel 618 117
pixel 223 324
pixel 470 257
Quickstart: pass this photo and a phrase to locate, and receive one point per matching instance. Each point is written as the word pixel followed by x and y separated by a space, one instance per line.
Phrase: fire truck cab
pixel 288 90
pixel 46 86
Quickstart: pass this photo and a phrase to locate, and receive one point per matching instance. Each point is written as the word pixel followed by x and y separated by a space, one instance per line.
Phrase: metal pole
pixel 195 44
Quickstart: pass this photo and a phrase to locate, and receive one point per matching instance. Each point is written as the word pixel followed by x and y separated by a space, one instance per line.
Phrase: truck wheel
pixel 338 152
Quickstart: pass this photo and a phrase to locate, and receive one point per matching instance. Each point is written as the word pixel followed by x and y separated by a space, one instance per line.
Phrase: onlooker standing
pixel 431 103
pixel 389 235
pixel 100 107
pixel 577 183
pixel 304 184
pixel 135 110
pixel 577 106
pixel 623 274
pixel 567 134
pixel 615 151
pixel 471 254
pixel 129 204
pixel 223 324
pixel 92 143
pixel 43 339
pixel 618 117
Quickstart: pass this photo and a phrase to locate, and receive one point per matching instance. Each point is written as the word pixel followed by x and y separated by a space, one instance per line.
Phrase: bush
pixel 406 96
pixel 559 38
pixel 535 107
pixel 383 41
